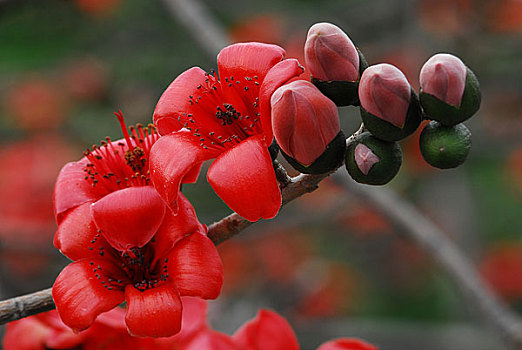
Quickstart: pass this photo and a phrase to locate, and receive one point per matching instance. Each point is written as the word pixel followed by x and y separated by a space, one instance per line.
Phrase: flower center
pixel 116 165
pixel 228 115
pixel 224 112
pixel 137 265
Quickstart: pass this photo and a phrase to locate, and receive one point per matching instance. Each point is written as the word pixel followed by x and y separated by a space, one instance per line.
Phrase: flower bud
pixel 330 54
pixel 372 161
pixel 334 63
pixel 306 127
pixel 389 107
pixel 445 147
pixel 450 91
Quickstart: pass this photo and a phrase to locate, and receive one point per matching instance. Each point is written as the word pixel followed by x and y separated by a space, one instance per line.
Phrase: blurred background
pixel 330 263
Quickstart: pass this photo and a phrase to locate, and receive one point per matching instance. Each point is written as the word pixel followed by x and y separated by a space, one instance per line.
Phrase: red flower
pixel 201 117
pixel 125 243
pixel 47 331
pixel 268 330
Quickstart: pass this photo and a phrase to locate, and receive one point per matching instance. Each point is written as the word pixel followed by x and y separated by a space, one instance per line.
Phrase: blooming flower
pixel 46 330
pixel 126 244
pixel 202 116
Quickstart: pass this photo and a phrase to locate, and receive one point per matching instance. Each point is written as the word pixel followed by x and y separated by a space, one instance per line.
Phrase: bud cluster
pixel 306 124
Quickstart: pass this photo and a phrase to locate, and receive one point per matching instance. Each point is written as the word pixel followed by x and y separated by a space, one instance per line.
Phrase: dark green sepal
pixel 331 159
pixel 273 149
pixel 382 172
pixel 386 131
pixel 450 115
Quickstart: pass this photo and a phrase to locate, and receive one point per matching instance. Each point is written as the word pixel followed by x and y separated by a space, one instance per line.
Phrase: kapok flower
pixel 306 127
pixel 450 91
pixel 268 330
pixel 47 331
pixel 202 116
pixel 385 92
pixel 390 109
pixel 126 244
pixel 330 54
pixel 304 120
pixel 444 76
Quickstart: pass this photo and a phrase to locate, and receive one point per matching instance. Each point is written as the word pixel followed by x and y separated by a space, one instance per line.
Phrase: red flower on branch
pixel 202 116
pixel 47 331
pixel 126 244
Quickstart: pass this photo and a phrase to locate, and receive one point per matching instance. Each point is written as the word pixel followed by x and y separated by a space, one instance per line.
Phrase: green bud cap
pixel 445 147
pixel 372 161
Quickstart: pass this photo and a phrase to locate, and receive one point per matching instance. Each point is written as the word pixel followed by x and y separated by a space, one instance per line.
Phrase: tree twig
pixel 26 305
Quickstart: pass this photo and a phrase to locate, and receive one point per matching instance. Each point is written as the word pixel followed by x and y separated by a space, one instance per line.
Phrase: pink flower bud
pixel 330 54
pixel 385 92
pixel 304 120
pixel 444 76
pixel 365 158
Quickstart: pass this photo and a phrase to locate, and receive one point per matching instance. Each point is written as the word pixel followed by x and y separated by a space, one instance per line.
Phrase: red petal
pixel 77 236
pixel 175 100
pixel 171 158
pixel 64 338
pixel 268 330
pixel 248 59
pixel 347 344
pixel 175 227
pixel 243 177
pixel 212 340
pixel 279 75
pixel 79 294
pixel 129 217
pixel 196 267
pixel 26 334
pixel 193 322
pixel 154 312
pixel 72 189
pixel 175 105
pixel 192 175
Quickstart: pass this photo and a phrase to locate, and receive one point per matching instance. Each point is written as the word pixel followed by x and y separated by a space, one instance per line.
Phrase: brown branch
pixel 26 305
